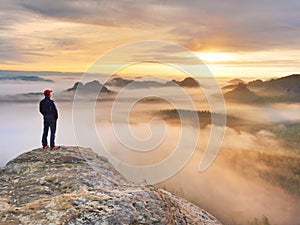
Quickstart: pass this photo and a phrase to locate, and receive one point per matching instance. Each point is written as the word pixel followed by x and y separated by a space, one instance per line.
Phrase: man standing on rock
pixel 49 111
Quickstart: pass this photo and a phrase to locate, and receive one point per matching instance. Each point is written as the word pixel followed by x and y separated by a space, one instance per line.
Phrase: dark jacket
pixel 48 109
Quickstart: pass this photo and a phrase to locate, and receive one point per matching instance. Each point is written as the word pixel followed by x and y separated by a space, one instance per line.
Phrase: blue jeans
pixel 52 124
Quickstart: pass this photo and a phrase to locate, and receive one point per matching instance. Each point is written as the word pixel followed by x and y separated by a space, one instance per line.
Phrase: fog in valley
pixel 245 181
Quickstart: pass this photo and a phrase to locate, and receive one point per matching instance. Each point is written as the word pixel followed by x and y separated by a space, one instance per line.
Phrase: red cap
pixel 47 92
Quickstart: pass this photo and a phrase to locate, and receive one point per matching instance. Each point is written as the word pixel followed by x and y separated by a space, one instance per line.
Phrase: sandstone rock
pixel 60 187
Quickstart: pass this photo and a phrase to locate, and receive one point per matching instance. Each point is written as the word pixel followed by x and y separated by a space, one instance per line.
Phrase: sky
pixel 233 38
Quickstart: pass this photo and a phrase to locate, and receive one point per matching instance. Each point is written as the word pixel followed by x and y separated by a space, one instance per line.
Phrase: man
pixel 49 111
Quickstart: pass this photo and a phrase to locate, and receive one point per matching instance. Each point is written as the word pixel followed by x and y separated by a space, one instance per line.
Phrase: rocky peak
pixel 89 87
pixel 242 94
pixel 189 82
pixel 61 187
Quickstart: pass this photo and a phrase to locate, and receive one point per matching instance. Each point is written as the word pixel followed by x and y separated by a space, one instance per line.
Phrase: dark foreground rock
pixel 60 187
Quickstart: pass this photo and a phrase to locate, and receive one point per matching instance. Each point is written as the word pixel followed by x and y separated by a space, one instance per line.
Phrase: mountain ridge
pixel 283 89
pixel 122 82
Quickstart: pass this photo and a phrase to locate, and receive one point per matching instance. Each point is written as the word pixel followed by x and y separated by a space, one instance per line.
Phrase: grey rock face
pixel 60 187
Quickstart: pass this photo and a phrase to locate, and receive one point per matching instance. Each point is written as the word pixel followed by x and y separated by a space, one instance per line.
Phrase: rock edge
pixel 60 187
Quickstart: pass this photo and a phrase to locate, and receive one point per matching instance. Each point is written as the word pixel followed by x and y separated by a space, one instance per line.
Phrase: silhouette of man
pixel 50 114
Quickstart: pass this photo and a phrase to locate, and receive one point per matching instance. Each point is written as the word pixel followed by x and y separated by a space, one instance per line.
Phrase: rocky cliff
pixel 60 187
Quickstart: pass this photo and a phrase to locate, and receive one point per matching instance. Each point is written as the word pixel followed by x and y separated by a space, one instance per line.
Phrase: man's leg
pixel 45 133
pixel 53 130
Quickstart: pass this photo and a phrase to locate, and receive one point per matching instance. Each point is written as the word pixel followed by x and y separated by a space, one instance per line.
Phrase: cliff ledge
pixel 60 187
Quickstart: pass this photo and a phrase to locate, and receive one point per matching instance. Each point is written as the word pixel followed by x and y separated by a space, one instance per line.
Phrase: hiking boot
pixel 45 147
pixel 55 148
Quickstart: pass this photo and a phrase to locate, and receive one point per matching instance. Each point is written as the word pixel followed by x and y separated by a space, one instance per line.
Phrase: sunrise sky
pixel 233 37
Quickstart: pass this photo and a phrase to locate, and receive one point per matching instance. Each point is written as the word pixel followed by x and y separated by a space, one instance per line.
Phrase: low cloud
pixel 221 190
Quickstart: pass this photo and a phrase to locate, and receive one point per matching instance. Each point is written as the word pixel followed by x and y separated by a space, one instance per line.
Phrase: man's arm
pixel 55 110
pixel 41 108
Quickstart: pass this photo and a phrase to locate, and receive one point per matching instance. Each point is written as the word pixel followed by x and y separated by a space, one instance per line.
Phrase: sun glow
pixel 214 57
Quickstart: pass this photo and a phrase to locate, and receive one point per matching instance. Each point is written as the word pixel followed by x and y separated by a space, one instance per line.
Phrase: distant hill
pixel 187 82
pixel 138 84
pixel 236 81
pixel 67 95
pixel 288 86
pixel 275 90
pixel 229 87
pixel 122 82
pixel 256 84
pixel 31 97
pixel 118 82
pixel 26 78
pixel 90 87
pixel 205 117
pixel 233 84
pixel 241 94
